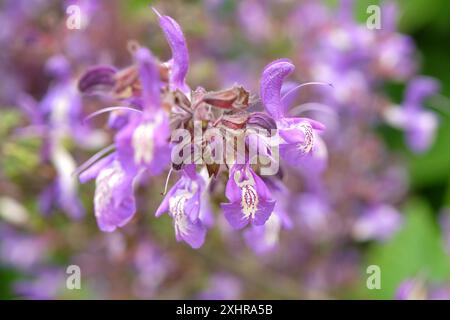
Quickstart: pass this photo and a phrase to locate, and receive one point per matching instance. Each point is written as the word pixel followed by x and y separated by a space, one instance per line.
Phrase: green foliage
pixel 20 157
pixel 417 250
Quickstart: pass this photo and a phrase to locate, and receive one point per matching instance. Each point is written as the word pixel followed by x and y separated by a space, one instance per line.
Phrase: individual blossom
pixel 419 125
pixel 114 201
pixel 298 134
pixel 250 199
pixel 142 143
pixel 183 203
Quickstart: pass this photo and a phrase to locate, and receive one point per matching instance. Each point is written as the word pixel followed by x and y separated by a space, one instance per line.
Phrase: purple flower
pixel 298 134
pixel 183 202
pixel 20 250
pixel 143 142
pixel 420 125
pixel 152 267
pixel 114 199
pixel 57 116
pixel 250 199
pixel 254 19
pixel 379 222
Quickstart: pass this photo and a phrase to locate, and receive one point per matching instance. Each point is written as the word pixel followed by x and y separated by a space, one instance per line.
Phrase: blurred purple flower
pixel 44 285
pixel 379 222
pixel 222 286
pixel 419 125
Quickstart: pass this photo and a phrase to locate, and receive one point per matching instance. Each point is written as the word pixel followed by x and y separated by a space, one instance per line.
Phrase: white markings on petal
pixel 108 179
pixel 308 143
pixel 249 201
pixel 177 209
pixel 249 196
pixel 143 144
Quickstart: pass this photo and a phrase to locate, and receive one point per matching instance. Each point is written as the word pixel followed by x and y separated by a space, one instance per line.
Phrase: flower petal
pixel 114 200
pixel 265 209
pixel 234 215
pixel 270 88
pixel 180 56
pixel 191 232
pixel 149 76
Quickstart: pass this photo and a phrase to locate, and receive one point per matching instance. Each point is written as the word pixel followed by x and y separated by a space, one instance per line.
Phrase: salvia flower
pixel 114 201
pixel 298 134
pixel 154 101
pixel 183 203
pixel 250 199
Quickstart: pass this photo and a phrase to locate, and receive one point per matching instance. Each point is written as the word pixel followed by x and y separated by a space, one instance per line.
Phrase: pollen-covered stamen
pixel 142 142
pixel 308 142
pixel 249 201
pixel 249 196
pixel 106 181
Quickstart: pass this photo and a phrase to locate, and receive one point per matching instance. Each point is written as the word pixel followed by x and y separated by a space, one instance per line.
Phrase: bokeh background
pixel 229 41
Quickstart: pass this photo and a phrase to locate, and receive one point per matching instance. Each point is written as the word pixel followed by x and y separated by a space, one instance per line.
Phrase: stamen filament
pixel 287 94
pixel 93 159
pixel 109 109
pixel 167 182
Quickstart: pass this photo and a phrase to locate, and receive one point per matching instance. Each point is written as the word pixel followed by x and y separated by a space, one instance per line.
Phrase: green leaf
pixel 417 250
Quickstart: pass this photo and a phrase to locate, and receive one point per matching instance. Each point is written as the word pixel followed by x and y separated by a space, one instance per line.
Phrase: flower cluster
pixel 155 101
